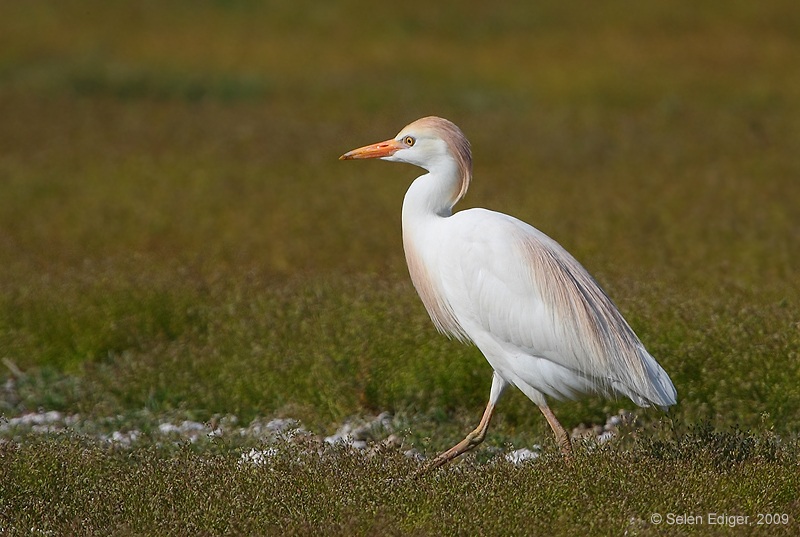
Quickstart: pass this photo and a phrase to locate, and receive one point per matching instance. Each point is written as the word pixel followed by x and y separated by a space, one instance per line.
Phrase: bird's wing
pixel 509 279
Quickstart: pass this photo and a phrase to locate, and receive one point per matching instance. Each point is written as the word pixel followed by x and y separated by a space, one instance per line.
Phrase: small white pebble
pixel 341 435
pixel 167 428
pixel 36 418
pixel 125 439
pixel 187 426
pixel 414 454
pixel 280 425
pixel 521 455
pixel 605 437
pixel 257 456
pixel 44 429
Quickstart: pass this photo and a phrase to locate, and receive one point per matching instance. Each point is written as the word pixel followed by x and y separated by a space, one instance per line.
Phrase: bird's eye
pixel 409 141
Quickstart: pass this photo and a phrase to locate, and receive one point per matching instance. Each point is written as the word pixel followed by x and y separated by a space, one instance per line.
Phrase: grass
pixel 178 241
pixel 300 490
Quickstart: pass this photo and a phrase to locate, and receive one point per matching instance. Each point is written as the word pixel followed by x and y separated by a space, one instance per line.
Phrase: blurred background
pixel 176 233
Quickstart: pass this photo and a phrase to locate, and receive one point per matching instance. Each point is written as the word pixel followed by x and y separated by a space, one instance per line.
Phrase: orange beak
pixel 379 150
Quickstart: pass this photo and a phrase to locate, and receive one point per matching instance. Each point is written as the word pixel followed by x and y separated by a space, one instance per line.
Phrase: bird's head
pixel 432 143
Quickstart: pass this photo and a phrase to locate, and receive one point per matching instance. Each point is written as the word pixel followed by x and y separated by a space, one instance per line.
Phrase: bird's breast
pixel 422 260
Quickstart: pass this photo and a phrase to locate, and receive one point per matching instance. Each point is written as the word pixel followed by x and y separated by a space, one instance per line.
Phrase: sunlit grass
pixel 335 490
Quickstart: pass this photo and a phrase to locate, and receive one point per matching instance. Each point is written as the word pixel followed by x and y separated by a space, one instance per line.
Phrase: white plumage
pixel 541 320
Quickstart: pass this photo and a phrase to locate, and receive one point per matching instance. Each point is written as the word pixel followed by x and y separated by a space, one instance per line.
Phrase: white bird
pixel 542 322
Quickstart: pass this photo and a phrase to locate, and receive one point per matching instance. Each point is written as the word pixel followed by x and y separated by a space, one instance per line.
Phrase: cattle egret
pixel 542 322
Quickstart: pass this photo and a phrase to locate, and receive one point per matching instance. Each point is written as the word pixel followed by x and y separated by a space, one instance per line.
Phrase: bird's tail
pixel 656 389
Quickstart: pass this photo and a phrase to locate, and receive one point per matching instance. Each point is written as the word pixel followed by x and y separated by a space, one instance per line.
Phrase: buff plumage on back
pixel 459 147
pixel 594 327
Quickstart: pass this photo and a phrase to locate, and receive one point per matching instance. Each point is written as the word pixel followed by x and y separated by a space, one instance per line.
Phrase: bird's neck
pixel 426 208
pixel 432 195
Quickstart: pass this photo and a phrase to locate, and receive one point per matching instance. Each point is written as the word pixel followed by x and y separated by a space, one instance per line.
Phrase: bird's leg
pixel 472 439
pixel 475 437
pixel 562 438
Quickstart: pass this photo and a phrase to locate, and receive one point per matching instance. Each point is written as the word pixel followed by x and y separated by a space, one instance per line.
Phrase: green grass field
pixel 178 242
